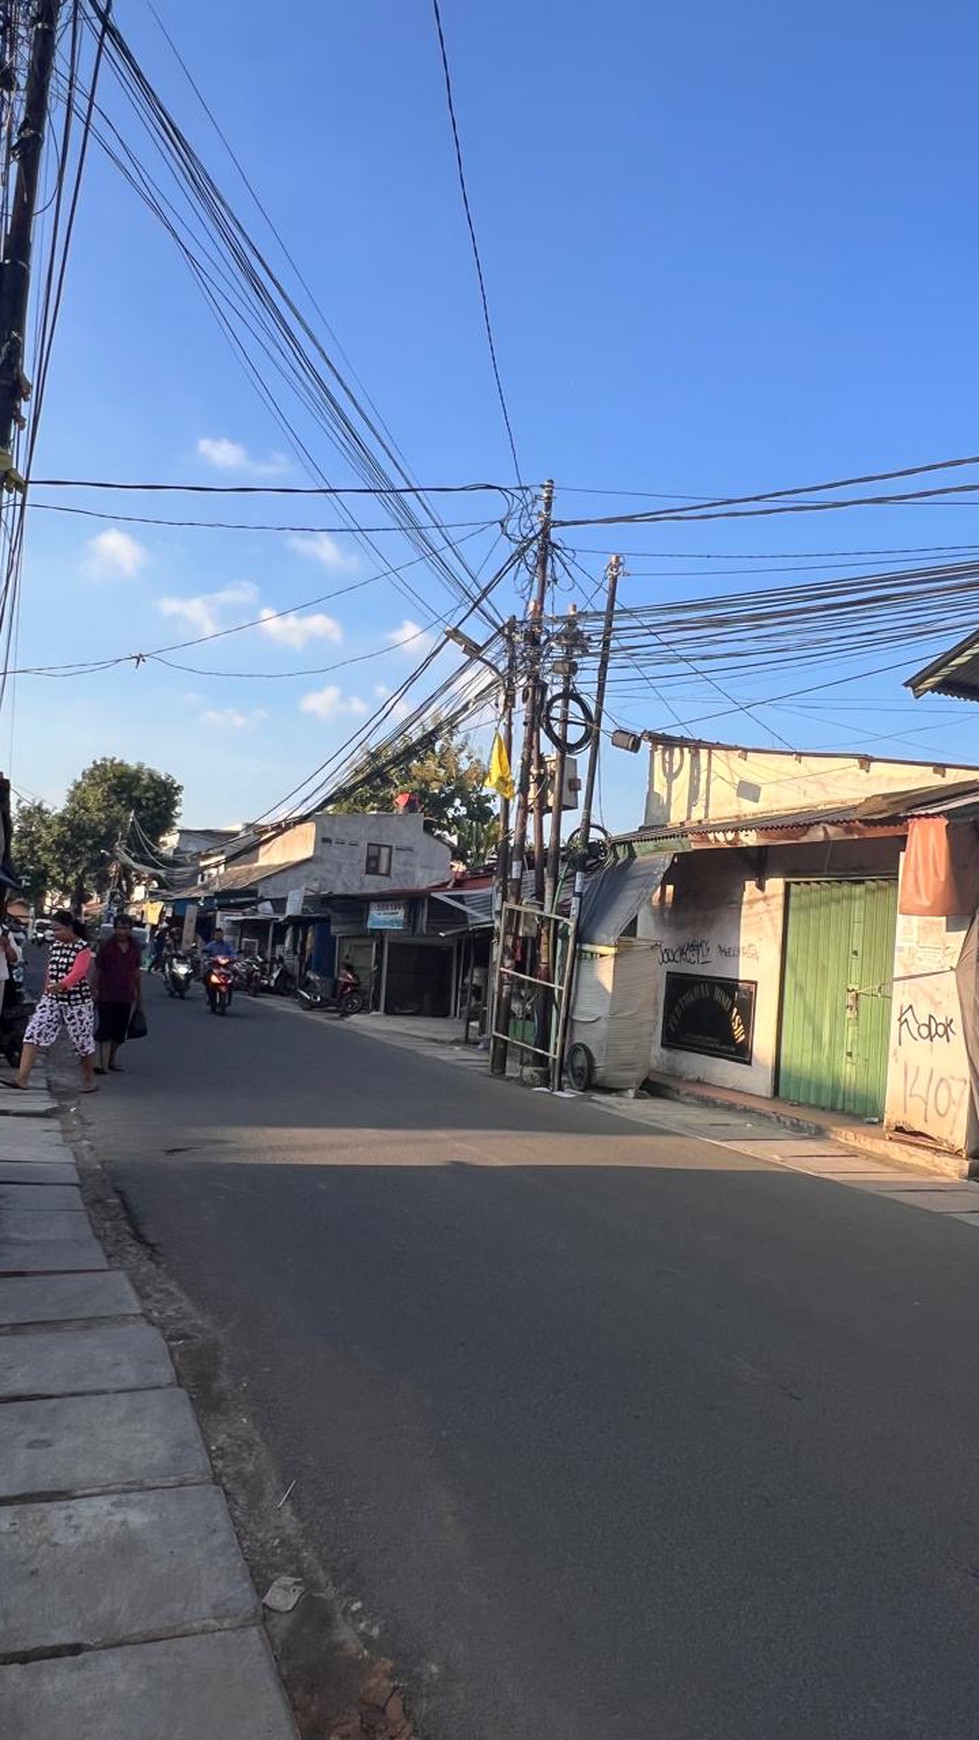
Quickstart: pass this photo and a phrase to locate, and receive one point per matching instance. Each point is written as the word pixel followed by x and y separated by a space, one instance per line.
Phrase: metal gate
pixel 836 994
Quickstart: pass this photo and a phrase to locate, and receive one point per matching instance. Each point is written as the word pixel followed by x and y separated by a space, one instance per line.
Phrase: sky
pixel 726 250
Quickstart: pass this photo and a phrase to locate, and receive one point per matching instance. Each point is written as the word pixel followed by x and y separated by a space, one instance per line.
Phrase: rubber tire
pixel 182 992
pixel 352 1004
pixel 580 1068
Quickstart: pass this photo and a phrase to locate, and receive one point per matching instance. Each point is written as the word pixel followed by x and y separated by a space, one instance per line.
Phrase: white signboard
pixel 189 931
pixel 295 900
pixel 386 915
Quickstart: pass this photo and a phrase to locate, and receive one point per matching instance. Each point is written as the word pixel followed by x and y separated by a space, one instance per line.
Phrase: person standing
pixel 117 990
pixel 66 1002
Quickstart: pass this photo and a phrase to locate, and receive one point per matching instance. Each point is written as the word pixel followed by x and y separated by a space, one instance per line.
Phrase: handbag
pixel 137 1028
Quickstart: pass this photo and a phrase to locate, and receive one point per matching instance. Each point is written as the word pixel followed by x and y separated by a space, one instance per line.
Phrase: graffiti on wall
pixel 699 952
pixel 927 1027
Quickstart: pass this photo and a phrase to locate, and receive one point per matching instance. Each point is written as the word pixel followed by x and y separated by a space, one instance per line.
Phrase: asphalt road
pixel 612 1433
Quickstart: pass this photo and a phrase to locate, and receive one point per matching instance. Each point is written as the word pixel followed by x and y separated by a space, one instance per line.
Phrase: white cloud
pixel 320 547
pixel 203 612
pixel 230 719
pixel 292 629
pixel 329 703
pixel 114 553
pixel 411 636
pixel 228 456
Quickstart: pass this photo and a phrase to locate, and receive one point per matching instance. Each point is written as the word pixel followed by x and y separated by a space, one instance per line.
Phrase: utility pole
pixel 613 574
pixel 15 266
pixel 529 759
pixel 15 277
pixel 502 877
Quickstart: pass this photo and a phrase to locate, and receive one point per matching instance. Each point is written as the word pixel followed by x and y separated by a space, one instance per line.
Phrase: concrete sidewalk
pixel 126 1609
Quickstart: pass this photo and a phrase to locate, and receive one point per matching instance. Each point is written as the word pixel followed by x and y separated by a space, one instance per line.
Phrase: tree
pixel 449 780
pixel 71 850
pixel 33 850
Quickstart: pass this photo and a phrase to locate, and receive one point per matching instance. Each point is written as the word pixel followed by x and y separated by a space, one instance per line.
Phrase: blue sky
pixel 726 249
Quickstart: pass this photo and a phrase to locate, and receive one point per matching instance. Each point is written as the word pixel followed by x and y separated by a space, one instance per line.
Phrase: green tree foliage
pixel 33 850
pixel 448 779
pixel 70 850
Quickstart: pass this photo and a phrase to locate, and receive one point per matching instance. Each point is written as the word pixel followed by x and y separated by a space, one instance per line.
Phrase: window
pixel 378 861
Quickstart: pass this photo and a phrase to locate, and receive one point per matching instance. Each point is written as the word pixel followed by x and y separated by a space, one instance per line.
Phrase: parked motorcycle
pixel 219 981
pixel 178 973
pixel 247 975
pixel 345 995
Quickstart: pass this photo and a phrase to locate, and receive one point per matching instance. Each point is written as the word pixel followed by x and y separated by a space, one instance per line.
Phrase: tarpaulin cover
pixel 941 869
pixel 612 898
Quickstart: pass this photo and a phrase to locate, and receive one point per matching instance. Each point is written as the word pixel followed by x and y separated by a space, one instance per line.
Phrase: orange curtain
pixel 941 869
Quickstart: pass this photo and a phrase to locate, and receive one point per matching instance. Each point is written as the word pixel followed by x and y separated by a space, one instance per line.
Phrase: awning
pixel 613 898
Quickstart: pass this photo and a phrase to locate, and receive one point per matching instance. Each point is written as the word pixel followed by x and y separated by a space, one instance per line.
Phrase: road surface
pixel 611 1432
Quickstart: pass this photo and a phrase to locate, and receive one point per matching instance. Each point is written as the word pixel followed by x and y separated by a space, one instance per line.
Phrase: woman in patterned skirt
pixel 66 1003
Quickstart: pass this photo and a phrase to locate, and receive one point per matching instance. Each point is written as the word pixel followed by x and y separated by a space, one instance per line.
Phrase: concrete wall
pixel 417 860
pixel 691 782
pixel 928 1070
pixel 714 920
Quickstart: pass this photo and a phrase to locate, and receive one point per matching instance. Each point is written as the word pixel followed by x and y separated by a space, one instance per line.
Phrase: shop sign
pixel 711 1016
pixel 386 915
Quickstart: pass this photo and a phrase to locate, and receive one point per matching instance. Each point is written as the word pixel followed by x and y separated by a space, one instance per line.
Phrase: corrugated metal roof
pixel 954 673
pixel 241 876
pixel 881 810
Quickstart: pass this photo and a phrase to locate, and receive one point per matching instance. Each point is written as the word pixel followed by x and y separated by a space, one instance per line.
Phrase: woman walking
pixel 66 1003
pixel 118 991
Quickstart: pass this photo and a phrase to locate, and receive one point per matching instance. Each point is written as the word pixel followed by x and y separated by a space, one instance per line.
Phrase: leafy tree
pixel 448 779
pixel 33 850
pixel 72 848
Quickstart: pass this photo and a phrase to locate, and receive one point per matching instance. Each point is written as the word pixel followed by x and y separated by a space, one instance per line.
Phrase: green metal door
pixel 836 989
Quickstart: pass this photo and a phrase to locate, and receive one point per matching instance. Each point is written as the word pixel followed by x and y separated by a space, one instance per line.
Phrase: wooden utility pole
pixel 529 758
pixel 15 266
pixel 501 881
pixel 613 574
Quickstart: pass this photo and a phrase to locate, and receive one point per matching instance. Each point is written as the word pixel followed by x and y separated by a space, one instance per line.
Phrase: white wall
pixel 699 782
pixel 928 1070
pixel 718 923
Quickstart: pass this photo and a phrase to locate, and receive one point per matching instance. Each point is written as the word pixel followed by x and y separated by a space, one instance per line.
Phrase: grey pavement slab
pixel 27 1105
pixel 78 1444
pixel 26 1198
pixel 97 1571
pixel 58 1298
pixel 67 1362
pixel 33 1171
pixel 33 1225
pixel 219 1686
pixel 52 1256
pixel 937 1201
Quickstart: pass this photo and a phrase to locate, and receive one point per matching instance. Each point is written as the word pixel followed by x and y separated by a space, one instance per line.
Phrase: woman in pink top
pixel 66 1003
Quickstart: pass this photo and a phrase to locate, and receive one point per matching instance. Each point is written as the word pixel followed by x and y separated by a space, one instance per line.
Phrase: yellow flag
pixel 498 774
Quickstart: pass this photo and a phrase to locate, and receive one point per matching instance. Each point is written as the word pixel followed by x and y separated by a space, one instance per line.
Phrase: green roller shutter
pixel 836 988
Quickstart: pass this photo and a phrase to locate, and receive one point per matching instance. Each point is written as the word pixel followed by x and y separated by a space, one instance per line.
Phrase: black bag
pixel 138 1028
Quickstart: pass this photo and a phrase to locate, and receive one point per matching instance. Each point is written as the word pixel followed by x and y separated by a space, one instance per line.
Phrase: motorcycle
pixel 178 972
pixel 219 980
pixel 346 997
pixel 247 975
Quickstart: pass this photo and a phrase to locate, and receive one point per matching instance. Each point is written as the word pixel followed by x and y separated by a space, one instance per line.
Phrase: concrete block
pixel 132 1565
pixel 220 1686
pixel 31 1226
pixel 27 1105
pixel 79 1444
pixel 76 1362
pixel 52 1256
pixel 38 1172
pixel 47 1198
pixel 58 1298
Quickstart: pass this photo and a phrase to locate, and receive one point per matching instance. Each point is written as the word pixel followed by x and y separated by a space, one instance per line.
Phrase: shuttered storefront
pixel 836 987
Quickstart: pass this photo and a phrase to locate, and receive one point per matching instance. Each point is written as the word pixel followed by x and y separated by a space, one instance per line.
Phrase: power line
pixel 777 495
pixel 276 488
pixel 472 236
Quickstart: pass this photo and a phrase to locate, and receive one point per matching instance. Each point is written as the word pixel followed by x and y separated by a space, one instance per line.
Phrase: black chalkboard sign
pixel 715 1017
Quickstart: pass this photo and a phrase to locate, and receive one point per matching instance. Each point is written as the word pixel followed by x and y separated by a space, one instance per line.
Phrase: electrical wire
pixel 467 208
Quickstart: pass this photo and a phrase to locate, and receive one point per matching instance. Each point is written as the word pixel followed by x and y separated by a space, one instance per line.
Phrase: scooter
pixel 346 997
pixel 219 982
pixel 178 973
